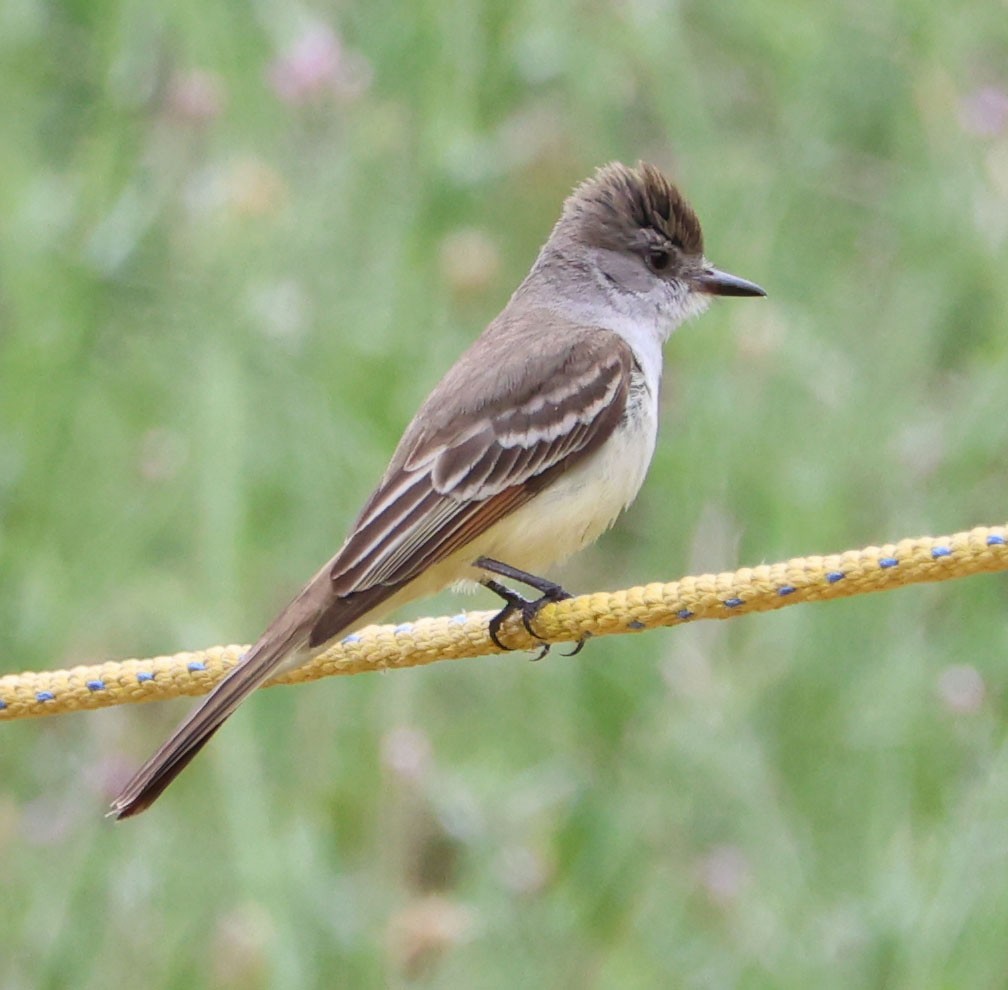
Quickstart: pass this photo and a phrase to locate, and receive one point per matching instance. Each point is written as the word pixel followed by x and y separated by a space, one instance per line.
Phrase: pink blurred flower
pixel 407 753
pixel 315 64
pixel 196 96
pixel 961 689
pixel 724 874
pixel 984 112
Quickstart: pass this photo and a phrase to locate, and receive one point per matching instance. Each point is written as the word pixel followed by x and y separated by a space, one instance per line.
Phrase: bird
pixel 526 451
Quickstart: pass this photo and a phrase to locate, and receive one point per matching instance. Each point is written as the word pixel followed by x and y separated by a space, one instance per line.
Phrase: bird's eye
pixel 658 260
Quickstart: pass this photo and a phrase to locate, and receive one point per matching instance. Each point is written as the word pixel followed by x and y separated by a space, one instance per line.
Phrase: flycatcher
pixel 527 450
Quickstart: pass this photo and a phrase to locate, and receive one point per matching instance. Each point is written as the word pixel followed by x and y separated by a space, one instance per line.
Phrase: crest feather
pixel 619 206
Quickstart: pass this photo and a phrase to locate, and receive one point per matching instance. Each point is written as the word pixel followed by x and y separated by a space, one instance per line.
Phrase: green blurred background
pixel 239 243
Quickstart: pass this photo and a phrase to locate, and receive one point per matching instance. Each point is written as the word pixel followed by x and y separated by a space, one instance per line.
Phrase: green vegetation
pixel 238 244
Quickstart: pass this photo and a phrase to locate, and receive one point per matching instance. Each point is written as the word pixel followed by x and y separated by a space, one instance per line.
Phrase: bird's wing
pixel 464 465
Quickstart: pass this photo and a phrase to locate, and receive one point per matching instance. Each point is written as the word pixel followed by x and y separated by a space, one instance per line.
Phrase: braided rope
pixel 412 644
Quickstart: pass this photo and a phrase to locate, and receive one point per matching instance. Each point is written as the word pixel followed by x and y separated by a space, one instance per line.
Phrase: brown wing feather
pixel 456 474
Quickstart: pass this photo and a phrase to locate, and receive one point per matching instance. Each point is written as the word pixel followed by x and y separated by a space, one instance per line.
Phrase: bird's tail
pixel 303 629
pixel 195 732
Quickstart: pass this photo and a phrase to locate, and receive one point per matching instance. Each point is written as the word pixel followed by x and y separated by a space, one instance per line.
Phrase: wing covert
pixel 461 466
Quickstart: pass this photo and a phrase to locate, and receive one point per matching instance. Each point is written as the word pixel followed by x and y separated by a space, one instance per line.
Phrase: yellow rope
pixel 412 644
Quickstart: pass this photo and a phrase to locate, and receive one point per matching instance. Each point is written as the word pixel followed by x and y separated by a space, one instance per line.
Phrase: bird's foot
pixel 516 604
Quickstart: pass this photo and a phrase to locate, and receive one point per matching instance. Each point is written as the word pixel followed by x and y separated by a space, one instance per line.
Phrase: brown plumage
pixel 621 207
pixel 526 451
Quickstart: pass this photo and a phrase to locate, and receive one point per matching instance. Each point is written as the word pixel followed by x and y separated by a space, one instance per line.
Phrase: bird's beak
pixel 718 283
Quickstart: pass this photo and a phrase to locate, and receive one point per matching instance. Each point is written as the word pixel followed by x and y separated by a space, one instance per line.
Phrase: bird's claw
pixel 527 608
